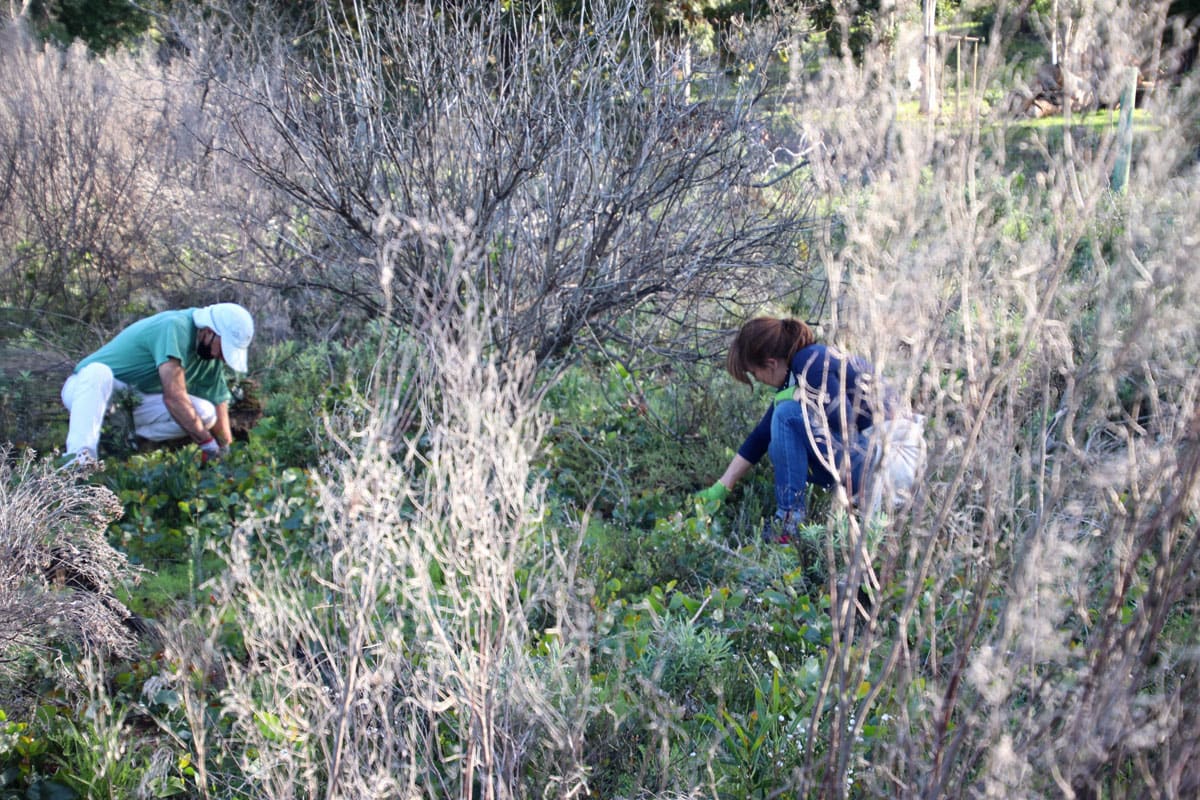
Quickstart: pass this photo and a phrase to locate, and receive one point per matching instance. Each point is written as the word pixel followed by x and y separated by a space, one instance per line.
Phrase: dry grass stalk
pixel 392 656
pixel 1017 636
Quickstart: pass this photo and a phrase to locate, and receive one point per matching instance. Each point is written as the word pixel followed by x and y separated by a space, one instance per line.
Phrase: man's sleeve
pixel 221 393
pixel 171 342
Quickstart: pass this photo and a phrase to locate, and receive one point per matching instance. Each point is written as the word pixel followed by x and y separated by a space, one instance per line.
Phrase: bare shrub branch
pixel 83 181
pixel 112 184
pixel 594 184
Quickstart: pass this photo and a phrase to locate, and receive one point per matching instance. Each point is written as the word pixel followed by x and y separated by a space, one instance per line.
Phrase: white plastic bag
pixel 898 459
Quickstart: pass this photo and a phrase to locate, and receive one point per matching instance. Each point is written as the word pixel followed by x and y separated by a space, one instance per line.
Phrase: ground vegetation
pixel 494 250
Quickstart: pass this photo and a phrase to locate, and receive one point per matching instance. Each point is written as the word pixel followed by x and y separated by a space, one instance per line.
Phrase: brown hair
pixel 762 338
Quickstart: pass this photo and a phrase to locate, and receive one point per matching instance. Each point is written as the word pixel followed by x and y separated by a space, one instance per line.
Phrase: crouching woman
pixel 822 426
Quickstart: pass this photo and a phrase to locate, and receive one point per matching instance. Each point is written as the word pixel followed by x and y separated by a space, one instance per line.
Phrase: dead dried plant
pixel 58 572
pixel 612 181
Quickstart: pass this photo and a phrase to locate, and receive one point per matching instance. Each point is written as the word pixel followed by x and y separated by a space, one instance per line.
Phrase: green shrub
pixel 176 508
pixel 633 448
pixel 95 737
pixel 304 384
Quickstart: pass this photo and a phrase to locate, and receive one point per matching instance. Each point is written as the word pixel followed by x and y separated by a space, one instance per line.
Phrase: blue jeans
pixel 800 456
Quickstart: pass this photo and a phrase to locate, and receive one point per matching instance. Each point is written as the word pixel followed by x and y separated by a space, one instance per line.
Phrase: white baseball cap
pixel 235 327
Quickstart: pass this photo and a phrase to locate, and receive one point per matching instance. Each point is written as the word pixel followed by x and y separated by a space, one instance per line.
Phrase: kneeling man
pixel 174 360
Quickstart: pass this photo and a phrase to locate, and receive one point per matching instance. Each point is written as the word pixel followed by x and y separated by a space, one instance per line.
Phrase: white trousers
pixel 86 395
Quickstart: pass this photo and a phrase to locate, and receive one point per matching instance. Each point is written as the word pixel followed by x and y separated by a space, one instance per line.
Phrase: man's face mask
pixel 207 349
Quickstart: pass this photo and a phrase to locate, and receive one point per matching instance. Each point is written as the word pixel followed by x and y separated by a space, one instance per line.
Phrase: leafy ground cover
pixel 691 606
pixel 698 625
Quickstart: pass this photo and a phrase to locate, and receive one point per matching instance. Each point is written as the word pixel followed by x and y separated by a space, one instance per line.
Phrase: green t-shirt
pixel 135 354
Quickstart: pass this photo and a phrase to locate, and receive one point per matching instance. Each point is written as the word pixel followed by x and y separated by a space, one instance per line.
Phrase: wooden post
pixel 958 80
pixel 972 84
pixel 1120 175
pixel 929 93
pixel 975 78
pixel 687 72
pixel 1054 32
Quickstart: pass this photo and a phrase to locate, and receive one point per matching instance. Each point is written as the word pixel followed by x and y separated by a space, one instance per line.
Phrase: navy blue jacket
pixel 834 382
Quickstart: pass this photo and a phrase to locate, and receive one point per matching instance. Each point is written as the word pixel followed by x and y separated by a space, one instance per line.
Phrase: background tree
pixel 100 24
pixel 594 187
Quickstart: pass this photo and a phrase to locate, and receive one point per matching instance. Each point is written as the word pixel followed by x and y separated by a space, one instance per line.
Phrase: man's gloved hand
pixel 784 395
pixel 713 494
pixel 210 451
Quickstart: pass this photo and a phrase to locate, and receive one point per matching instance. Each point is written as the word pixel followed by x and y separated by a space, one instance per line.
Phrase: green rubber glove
pixel 714 494
pixel 783 395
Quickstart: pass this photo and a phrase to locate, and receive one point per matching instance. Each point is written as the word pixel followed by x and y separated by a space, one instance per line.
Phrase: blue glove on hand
pixel 210 451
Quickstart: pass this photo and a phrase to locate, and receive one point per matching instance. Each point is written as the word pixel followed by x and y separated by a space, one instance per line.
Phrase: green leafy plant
pixel 761 742
pixel 177 508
